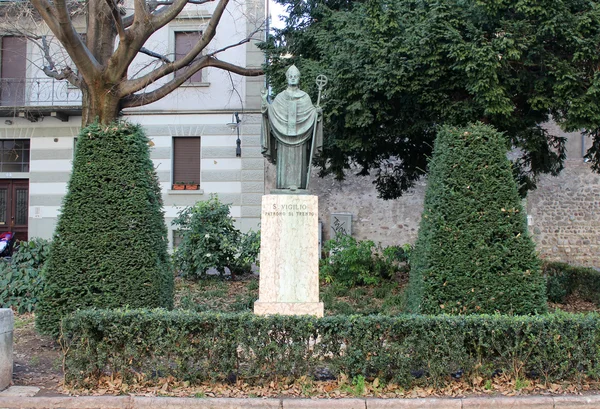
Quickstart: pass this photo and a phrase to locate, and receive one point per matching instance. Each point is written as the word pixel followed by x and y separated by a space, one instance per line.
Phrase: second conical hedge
pixel 473 253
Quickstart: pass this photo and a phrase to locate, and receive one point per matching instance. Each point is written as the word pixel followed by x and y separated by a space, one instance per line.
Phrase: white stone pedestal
pixel 289 256
pixel 6 347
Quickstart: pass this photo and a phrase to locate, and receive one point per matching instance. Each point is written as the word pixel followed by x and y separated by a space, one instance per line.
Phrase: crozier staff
pixel 292 130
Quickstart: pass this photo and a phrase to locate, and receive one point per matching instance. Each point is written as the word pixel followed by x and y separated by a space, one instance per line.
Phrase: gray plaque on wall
pixel 340 223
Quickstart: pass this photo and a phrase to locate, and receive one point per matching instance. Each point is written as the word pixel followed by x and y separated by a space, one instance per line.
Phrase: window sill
pixel 194 84
pixel 185 192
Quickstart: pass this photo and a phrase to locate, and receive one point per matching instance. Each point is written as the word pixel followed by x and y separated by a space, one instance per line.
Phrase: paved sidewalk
pixel 142 402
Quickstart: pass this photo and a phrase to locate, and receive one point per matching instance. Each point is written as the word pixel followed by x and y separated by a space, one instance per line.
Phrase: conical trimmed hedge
pixel 473 253
pixel 110 244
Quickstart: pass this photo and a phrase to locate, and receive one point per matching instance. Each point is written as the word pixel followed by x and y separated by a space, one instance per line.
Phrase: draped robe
pixel 288 126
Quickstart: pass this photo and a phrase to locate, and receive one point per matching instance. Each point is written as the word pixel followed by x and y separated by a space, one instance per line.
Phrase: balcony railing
pixel 38 92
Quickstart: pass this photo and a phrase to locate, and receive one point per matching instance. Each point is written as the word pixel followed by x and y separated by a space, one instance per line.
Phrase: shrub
pixel 110 244
pixel 210 240
pixel 20 278
pixel 248 250
pixel 473 253
pixel 404 349
pixel 353 262
pixel 564 279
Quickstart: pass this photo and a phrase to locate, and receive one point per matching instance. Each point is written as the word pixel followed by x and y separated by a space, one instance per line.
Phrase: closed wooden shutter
pixel 186 159
pixel 184 42
pixel 13 68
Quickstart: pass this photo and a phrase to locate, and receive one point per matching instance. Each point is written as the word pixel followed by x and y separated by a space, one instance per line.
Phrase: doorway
pixel 14 207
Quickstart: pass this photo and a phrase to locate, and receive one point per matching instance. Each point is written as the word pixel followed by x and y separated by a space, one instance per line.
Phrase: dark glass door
pixel 14 207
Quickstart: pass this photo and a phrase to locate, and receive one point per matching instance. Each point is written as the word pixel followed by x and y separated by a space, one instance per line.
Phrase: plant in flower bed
pixel 216 294
pixel 407 350
pixel 20 278
pixel 386 298
pixel 210 240
pixel 351 262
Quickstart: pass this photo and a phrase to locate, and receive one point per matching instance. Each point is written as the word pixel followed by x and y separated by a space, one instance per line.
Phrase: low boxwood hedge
pixel 406 349
pixel 564 279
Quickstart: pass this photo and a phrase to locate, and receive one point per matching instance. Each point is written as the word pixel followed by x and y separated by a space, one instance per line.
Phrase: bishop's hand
pixel 263 96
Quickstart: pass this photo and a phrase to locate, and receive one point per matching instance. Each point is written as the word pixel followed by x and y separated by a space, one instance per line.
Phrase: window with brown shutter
pixel 184 42
pixel 13 65
pixel 186 160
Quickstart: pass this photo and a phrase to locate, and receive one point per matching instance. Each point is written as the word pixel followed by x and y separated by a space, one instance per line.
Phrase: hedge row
pixel 407 349
pixel 564 279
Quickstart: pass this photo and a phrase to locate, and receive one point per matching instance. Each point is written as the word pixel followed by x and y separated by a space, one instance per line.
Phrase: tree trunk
pixel 101 104
pixel 99 97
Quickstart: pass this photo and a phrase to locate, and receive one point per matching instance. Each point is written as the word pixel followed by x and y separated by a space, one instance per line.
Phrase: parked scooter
pixel 7 241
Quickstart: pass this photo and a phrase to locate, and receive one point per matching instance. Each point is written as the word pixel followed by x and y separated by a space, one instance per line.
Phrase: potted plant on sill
pixel 178 185
pixel 191 186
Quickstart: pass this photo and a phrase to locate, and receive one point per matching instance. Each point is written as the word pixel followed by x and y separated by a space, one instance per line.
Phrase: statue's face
pixel 293 78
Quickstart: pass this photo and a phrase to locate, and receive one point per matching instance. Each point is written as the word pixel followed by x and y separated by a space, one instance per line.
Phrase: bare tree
pixel 113 38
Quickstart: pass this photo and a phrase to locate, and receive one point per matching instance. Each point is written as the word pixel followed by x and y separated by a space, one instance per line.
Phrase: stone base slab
pixel 22 391
pixel 289 308
pixel 289 256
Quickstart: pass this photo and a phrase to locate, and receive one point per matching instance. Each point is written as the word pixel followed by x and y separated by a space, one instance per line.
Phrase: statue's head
pixel 293 75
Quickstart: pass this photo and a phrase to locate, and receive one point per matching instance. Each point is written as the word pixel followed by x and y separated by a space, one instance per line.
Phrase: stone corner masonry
pixel 6 347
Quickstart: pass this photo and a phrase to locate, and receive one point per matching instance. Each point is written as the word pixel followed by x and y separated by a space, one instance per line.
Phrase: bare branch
pixel 64 74
pixel 165 14
pixel 51 71
pixel 241 42
pixel 206 61
pixel 47 12
pixel 151 53
pixel 236 69
pixel 169 2
pixel 116 15
pixel 132 86
pixel 140 14
pixel 59 21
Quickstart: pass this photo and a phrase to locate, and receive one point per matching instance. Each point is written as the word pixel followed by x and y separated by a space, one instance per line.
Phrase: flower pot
pixel 178 187
pixel 191 187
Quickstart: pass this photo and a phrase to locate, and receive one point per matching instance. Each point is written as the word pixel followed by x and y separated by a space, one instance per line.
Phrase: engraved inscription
pixel 287 210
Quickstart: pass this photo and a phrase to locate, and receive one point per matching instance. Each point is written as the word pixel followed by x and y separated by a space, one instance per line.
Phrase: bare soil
pixel 37 358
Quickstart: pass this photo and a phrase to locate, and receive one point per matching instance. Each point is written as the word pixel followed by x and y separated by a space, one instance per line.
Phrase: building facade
pixel 193 131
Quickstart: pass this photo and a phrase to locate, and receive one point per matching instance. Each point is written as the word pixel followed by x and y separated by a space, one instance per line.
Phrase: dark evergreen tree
pixel 110 244
pixel 473 253
pixel 399 68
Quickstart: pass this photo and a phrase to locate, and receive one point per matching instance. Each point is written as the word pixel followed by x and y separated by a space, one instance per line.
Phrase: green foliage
pixel 248 250
pixel 406 349
pixel 21 280
pixel 210 240
pixel 215 294
pixel 473 253
pixel 110 244
pixel 352 262
pixel 564 279
pixel 400 68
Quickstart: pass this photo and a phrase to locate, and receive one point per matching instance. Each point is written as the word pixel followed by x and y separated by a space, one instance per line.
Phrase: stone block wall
pixel 565 215
pixel 389 222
